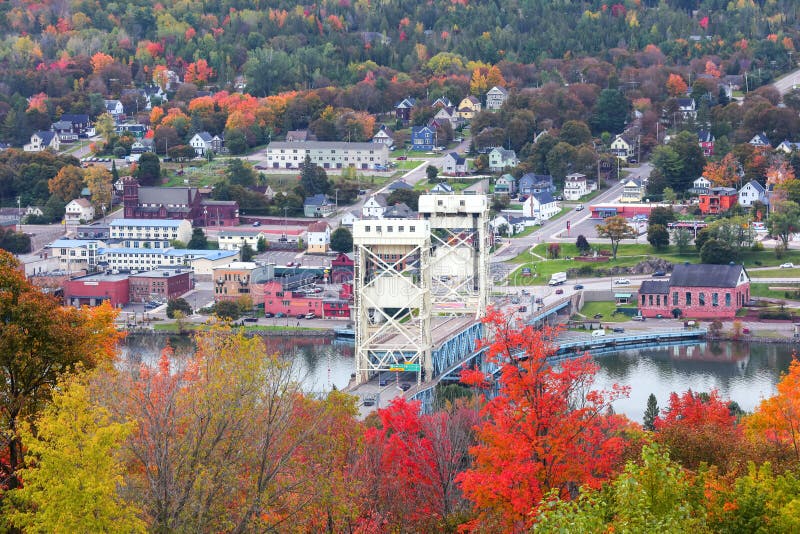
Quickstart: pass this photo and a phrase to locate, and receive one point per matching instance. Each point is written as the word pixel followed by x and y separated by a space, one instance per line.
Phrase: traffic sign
pixel 400 367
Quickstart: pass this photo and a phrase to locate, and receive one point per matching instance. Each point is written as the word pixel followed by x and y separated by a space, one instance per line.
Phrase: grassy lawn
pixel 776 273
pixel 627 256
pixel 527 231
pixel 763 290
pixel 590 309
pixel 458 184
pixel 408 164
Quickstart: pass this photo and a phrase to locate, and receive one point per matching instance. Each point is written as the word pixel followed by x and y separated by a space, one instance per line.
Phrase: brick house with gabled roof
pixel 700 291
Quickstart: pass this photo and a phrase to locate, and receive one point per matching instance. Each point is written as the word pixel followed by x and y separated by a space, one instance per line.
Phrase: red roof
pixel 318 227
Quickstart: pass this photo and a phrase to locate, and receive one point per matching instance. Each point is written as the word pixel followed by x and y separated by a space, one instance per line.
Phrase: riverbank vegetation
pixel 227 441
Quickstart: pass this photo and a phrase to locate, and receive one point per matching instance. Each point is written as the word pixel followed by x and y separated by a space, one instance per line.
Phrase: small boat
pixel 344 333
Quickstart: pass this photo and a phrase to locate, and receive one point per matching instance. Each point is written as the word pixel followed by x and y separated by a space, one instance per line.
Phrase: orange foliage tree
pixel 40 340
pixel 675 85
pixel 546 430
pixel 100 61
pixel 198 72
pixel 776 421
pixel 724 173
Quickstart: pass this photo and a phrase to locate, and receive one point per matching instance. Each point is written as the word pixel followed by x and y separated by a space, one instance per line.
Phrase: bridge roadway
pixel 570 344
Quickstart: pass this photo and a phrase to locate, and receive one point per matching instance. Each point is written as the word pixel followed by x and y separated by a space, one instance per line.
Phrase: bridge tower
pixel 459 262
pixel 409 272
pixel 392 295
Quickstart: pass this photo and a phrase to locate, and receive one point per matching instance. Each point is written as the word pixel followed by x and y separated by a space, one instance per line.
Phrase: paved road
pixel 784 84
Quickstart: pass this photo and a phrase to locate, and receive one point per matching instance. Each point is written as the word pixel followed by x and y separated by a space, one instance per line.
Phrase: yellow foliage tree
pixel 675 85
pixel 67 184
pixel 101 61
pixel 98 180
pixel 494 78
pixel 723 173
pixel 74 473
pixel 478 84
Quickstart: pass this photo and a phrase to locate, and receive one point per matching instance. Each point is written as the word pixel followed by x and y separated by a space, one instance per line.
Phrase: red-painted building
pixel 342 269
pixel 697 291
pixel 627 210
pixel 718 200
pixel 336 308
pixel 279 300
pixel 93 289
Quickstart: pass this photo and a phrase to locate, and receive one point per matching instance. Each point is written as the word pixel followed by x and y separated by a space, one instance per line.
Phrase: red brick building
pixel 161 285
pixel 342 269
pixel 696 291
pixel 93 289
pixel 718 200
pixel 176 203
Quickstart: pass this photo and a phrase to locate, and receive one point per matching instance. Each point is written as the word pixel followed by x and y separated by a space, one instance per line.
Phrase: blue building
pixel 423 138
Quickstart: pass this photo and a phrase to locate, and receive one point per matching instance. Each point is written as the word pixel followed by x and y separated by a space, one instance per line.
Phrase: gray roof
pixel 46 137
pixel 505 153
pixel 205 136
pixel 61 125
pixel 757 186
pixel 705 275
pixel 166 195
pixel 399 184
pixel 75 118
pixel 460 160
pixel 544 197
pixel 399 211
pixel 530 179
pixel 442 187
pixel 323 145
pixel 654 287
pixel 380 198
pixel 497 88
pixel 317 200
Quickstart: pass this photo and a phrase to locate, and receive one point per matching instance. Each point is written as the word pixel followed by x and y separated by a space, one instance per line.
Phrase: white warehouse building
pixel 327 154
pixel 151 229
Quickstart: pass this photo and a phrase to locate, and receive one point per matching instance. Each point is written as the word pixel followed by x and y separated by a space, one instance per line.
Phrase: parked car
pixel 579 207
pixel 311 315
pixel 787 266
pixel 618 329
pixel 260 167
pixel 559 291
pixel 279 315
pixel 383 380
pixel 539 300
pixel 578 286
pixel 290 264
pixel 405 386
pixel 402 158
pixel 300 316
pixel 269 315
pixel 251 319
pixel 622 282
pixel 257 223
pixel 638 317
pixel 659 273
pixel 369 401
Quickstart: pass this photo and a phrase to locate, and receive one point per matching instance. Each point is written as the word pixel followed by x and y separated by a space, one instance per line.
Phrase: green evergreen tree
pixel 199 241
pixel 246 252
pixel 342 240
pixel 651 413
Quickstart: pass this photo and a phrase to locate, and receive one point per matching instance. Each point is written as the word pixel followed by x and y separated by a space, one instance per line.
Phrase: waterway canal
pixel 741 372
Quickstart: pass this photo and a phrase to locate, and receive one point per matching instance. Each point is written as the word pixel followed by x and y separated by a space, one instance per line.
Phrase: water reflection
pixel 742 372
pixel 320 363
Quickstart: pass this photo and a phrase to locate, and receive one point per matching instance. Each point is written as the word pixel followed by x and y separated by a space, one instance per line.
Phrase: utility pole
pixel 19 214
pixel 285 209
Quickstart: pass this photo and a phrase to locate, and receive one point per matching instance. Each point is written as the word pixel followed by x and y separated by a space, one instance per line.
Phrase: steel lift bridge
pixel 421 287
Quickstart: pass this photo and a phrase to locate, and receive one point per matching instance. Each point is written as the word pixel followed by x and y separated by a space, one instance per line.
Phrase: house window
pixel 688 299
pixel 650 300
pixel 701 299
pixel 643 299
pixel 714 299
pixel 727 299
pixel 366 228
pixel 389 228
pixel 658 300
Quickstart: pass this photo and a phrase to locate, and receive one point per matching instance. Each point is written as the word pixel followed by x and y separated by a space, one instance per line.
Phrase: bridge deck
pixel 442 329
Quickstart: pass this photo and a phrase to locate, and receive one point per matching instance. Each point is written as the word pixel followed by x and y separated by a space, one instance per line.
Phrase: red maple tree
pixel 547 429
pixel 697 428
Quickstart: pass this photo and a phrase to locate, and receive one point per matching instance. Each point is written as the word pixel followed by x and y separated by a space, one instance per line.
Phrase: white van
pixel 598 333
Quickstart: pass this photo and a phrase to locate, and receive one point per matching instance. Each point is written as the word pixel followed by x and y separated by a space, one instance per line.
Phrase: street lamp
pixel 205 217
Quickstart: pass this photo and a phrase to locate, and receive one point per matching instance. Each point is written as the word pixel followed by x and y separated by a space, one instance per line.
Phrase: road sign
pixel 400 367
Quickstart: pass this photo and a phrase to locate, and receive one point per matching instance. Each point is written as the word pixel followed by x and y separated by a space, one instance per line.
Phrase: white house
pixel 327 154
pixel 350 217
pixel 236 239
pixel 114 107
pixel 384 137
pixel 495 98
pixel 687 108
pixel 454 164
pixel 75 254
pixel 374 206
pixel 787 147
pixel 540 206
pixel 442 188
pixel 43 140
pixel 78 211
pixel 500 158
pixel 450 114
pixel 201 142
pixel 751 192
pixel 505 185
pixel 700 186
pixel 622 147
pixel 575 186
pixel 760 141
pixel 318 236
